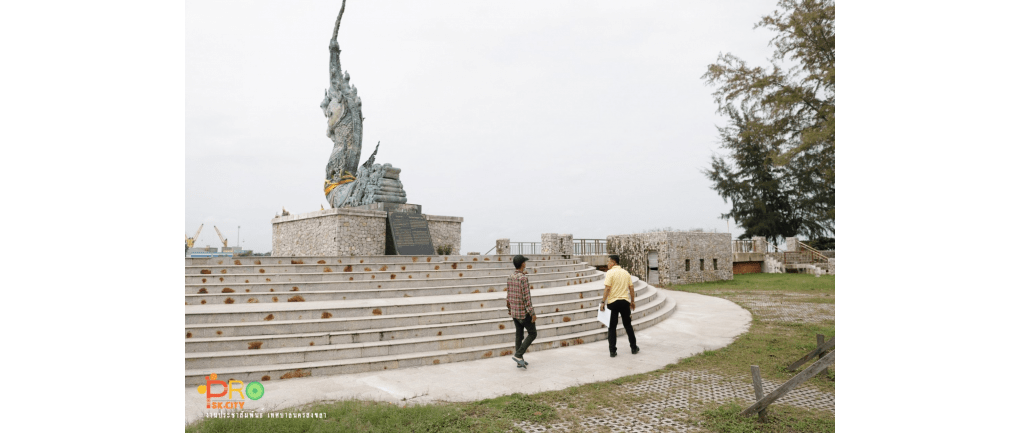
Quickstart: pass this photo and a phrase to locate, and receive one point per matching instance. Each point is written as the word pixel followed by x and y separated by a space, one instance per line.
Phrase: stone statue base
pixel 352 232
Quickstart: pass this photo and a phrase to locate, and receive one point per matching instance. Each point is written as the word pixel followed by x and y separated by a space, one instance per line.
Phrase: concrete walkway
pixel 699 323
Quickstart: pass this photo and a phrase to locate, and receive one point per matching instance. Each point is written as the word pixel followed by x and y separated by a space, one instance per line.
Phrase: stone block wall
pixel 445 230
pixel 502 246
pixel 330 232
pixel 567 244
pixel 349 232
pixel 550 243
pixel 676 251
pixel 746 268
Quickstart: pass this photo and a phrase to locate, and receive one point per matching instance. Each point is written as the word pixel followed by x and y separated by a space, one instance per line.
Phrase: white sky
pixel 524 118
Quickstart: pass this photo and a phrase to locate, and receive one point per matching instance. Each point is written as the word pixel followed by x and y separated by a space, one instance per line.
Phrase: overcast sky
pixel 589 118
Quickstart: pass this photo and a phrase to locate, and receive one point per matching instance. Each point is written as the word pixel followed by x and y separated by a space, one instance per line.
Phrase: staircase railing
pixel 815 255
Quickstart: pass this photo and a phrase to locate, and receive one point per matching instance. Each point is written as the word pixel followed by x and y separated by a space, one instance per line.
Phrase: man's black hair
pixel 519 260
pixel 615 258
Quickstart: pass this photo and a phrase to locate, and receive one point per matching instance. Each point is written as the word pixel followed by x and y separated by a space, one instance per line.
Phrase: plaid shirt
pixel 518 296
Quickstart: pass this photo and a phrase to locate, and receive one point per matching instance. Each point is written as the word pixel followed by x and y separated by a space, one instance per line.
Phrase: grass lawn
pixel 787 310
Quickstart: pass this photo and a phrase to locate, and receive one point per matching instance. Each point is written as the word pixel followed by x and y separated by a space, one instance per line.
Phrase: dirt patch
pixel 228 301
pixel 296 298
pixel 298 262
pixel 269 317
pixel 228 290
pixel 326 314
pixel 254 345
pixel 205 271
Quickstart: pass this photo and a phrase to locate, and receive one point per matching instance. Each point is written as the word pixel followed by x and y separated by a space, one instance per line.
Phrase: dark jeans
pixel 620 307
pixel 520 346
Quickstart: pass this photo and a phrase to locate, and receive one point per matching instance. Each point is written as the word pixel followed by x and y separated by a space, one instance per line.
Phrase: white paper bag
pixel 604 316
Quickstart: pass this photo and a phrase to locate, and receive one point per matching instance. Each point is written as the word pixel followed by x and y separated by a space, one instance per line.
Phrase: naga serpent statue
pixel 347 184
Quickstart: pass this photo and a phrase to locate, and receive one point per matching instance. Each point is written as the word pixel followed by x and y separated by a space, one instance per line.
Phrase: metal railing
pixel 743 246
pixel 586 247
pixel 525 248
pixel 589 247
pixel 815 255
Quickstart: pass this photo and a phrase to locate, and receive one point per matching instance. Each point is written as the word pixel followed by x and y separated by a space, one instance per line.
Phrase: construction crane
pixel 221 237
pixel 190 242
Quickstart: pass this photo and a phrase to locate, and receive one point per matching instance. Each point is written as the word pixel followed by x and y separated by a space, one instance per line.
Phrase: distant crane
pixel 190 242
pixel 221 237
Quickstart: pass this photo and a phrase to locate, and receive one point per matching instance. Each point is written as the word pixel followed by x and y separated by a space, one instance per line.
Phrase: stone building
pixel 674 257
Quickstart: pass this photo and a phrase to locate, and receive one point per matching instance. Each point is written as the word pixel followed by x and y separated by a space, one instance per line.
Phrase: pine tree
pixel 791 114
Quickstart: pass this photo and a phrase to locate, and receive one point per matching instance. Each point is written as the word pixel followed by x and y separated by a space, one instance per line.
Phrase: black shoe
pixel 612 354
pixel 520 363
pixel 635 350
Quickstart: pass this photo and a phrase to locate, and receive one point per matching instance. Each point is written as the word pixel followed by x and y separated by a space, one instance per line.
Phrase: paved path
pixel 699 323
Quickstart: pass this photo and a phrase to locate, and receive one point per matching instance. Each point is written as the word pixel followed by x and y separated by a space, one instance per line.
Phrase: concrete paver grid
pixel 679 389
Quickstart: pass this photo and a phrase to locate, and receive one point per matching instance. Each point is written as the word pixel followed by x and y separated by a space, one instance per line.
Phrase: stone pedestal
pixel 502 246
pixel 351 232
pixel 567 244
pixel 759 245
pixel 550 243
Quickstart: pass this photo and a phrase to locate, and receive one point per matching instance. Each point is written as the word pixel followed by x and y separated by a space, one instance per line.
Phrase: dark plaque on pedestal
pixel 407 234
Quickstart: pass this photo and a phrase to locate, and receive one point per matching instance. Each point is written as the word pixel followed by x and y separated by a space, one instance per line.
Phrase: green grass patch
pixel 780 419
pixel 772 346
pixel 491 415
pixel 792 283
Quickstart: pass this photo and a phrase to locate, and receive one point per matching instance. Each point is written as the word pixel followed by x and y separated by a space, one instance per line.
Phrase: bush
pixel 444 250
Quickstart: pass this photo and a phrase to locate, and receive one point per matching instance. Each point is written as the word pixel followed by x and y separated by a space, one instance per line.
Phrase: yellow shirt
pixel 618 281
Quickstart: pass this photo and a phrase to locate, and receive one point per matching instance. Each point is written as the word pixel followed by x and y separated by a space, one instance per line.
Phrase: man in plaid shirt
pixel 518 301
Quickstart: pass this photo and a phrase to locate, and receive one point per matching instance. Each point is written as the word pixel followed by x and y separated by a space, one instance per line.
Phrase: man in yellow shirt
pixel 616 297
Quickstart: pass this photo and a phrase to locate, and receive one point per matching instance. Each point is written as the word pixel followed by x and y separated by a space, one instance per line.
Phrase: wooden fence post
pixel 820 339
pixel 790 384
pixel 759 392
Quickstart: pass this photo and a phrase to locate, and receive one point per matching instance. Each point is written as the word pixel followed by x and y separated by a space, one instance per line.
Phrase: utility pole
pixel 239 236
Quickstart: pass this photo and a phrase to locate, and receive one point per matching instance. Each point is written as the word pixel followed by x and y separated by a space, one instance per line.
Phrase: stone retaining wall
pixel 445 230
pixel 349 232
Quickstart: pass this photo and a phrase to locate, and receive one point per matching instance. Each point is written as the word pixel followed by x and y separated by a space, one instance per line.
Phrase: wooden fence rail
pixel 800 378
pixel 825 359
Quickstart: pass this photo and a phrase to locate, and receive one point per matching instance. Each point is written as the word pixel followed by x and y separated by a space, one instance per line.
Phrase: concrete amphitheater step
pixel 396 276
pixel 346 260
pixel 256 312
pixel 339 265
pixel 357 365
pixel 331 324
pixel 569 313
pixel 400 271
pixel 288 292
pixel 309 351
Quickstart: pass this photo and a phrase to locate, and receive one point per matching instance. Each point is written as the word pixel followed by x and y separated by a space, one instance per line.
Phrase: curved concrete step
pixel 255 296
pixel 569 314
pixel 280 260
pixel 340 265
pixel 367 273
pixel 385 280
pixel 333 324
pixel 257 312
pixel 372 363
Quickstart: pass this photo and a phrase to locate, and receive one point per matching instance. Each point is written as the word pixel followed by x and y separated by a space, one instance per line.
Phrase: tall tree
pixel 790 113
pixel 759 189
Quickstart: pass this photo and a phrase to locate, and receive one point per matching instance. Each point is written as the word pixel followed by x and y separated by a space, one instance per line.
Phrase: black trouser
pixel 621 307
pixel 520 346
